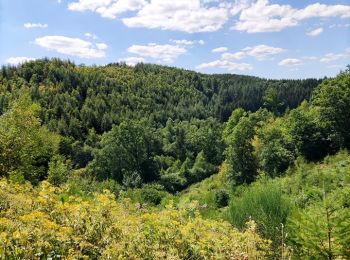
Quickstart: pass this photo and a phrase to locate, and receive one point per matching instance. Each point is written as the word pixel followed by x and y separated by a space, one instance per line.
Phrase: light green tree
pixel 26 146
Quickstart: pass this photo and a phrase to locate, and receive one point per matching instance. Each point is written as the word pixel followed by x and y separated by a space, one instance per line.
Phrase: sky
pixel 265 38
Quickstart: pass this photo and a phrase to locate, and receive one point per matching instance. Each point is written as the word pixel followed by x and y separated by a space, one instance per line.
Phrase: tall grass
pixel 265 203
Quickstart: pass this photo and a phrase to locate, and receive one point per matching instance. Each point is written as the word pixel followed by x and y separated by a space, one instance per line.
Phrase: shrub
pixel 101 228
pixel 153 193
pixel 221 198
pixel 265 204
pixel 59 170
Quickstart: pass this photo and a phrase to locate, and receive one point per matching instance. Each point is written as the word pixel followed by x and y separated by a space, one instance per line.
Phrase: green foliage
pixel 271 100
pixel 101 228
pixel 26 147
pixel 239 154
pixel 126 154
pixel 310 135
pixel 322 229
pixel 144 131
pixel 264 203
pixel 205 192
pixel 173 178
pixel 332 98
pixel 232 122
pixel 81 183
pixel 152 193
pixel 182 139
pixel 200 170
pixel 76 99
pixel 275 148
pixel 180 115
pixel 222 197
pixel 59 170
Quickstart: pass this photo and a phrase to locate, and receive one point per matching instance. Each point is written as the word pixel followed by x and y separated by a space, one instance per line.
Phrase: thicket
pixel 45 222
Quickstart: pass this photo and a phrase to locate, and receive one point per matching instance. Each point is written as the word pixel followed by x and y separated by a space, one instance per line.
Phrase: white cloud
pixel 261 16
pixel 181 15
pixel 259 52
pixel 290 62
pixel 336 56
pixel 208 15
pixel 132 61
pixel 315 32
pixel 35 25
pixel 233 56
pixel 183 42
pixel 262 51
pixel 227 59
pixel 91 35
pixel 224 64
pixel 91 5
pixel 219 49
pixel 333 56
pixel 18 60
pixel 240 5
pixel 107 8
pixel 187 42
pixel 322 10
pixel 72 46
pixel 101 46
pixel 166 53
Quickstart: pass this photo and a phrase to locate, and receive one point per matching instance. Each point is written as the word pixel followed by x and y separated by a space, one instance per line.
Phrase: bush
pixel 82 184
pixel 59 170
pixel 153 193
pixel 101 228
pixel 265 204
pixel 221 198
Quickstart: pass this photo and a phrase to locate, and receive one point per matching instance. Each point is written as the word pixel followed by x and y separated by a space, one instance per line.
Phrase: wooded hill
pixel 179 152
pixel 178 112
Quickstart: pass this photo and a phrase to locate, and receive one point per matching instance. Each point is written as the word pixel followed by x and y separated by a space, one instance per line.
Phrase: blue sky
pixel 272 39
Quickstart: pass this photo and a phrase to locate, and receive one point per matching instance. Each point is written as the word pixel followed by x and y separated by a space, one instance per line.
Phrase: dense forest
pixel 154 162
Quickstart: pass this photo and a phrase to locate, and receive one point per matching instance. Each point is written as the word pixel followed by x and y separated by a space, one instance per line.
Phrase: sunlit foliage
pixel 44 222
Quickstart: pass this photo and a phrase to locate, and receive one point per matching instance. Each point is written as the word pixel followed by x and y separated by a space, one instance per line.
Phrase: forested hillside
pixel 175 115
pixel 118 161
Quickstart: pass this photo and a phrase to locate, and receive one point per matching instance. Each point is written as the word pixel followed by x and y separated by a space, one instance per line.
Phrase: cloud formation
pixel 208 16
pixel 227 59
pixel 224 64
pixel 18 60
pixel 187 42
pixel 290 62
pixel 260 16
pixel 132 61
pixel 166 53
pixel 181 15
pixel 315 32
pixel 220 49
pixel 107 8
pixel 259 52
pixel 91 35
pixel 35 25
pixel 72 46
